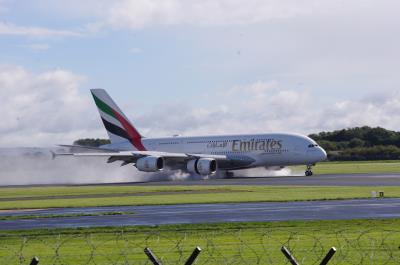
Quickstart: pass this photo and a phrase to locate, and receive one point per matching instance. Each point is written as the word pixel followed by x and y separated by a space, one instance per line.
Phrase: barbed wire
pixel 230 246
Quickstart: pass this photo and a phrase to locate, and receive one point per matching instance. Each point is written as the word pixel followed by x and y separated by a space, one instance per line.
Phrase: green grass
pixel 225 194
pixel 357 167
pixel 357 242
pixel 21 192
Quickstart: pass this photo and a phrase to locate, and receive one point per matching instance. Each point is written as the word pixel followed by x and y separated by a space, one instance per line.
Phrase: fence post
pixel 35 261
pixel 289 256
pixel 328 256
pixel 193 257
pixel 151 256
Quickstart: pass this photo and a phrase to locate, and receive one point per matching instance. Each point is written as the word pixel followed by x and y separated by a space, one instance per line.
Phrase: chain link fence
pixel 227 246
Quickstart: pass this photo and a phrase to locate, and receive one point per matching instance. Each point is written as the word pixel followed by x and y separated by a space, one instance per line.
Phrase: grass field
pixel 357 242
pixel 390 166
pixel 85 196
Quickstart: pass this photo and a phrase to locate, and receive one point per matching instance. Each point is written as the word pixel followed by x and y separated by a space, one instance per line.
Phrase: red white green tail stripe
pixel 117 125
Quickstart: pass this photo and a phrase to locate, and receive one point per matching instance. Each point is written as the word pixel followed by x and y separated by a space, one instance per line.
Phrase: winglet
pixel 53 154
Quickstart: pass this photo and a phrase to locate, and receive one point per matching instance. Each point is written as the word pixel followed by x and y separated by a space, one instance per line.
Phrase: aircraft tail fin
pixel 118 127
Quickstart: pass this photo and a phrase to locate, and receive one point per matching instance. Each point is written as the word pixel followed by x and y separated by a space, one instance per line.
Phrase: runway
pixel 209 213
pixel 380 179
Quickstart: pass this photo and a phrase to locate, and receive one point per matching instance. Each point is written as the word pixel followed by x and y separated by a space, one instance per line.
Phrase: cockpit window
pixel 312 145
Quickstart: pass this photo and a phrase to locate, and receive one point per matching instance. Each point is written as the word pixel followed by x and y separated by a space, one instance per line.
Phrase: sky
pixel 193 67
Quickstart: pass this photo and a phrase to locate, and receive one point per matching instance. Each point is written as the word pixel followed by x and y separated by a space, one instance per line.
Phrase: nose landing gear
pixel 308 171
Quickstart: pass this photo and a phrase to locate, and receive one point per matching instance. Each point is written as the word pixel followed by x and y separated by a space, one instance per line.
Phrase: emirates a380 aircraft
pixel 203 155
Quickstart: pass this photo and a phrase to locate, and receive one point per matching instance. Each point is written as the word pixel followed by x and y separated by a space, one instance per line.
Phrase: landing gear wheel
pixel 229 174
pixel 308 171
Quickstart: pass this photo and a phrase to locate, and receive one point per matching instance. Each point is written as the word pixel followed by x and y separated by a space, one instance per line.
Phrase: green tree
pixel 360 143
pixel 91 142
pixel 356 142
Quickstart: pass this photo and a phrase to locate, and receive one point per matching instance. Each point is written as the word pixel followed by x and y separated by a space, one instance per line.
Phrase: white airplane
pixel 202 155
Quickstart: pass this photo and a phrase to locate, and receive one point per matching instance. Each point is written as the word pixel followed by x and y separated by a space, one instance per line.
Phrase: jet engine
pixel 202 166
pixel 150 164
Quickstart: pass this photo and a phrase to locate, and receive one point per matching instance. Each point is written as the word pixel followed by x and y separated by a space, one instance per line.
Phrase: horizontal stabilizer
pixel 90 148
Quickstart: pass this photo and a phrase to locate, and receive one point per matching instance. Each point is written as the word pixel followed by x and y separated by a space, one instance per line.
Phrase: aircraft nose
pixel 322 154
pixel 317 154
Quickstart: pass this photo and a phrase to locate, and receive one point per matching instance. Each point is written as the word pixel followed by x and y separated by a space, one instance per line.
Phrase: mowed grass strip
pixel 230 195
pixel 23 192
pixel 358 167
pixel 357 242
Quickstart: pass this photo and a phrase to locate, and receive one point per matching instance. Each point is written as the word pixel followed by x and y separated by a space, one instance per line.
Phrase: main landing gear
pixel 226 174
pixel 308 171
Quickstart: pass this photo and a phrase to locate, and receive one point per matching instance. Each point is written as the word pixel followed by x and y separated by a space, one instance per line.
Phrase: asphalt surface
pixel 380 179
pixel 209 213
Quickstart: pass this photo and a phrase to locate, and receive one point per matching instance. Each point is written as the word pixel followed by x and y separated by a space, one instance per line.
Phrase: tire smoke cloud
pixel 30 166
pixel 27 166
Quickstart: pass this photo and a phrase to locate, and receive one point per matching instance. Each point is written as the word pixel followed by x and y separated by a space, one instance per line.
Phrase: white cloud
pixel 48 108
pixel 31 31
pixel 259 89
pixel 137 14
pixel 75 9
pixel 140 13
pixel 263 107
pixel 384 113
pixel 135 50
pixel 37 46
pixel 43 109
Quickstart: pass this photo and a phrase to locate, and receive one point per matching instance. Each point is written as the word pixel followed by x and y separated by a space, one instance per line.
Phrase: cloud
pixel 31 31
pixel 254 108
pixel 135 50
pixel 136 14
pixel 384 112
pixel 43 109
pixel 263 107
pixel 37 46
pixel 47 108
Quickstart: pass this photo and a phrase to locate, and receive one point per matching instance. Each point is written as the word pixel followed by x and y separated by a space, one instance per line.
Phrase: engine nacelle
pixel 202 166
pixel 150 164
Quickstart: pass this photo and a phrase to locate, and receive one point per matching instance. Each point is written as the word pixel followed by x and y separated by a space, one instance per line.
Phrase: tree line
pixel 353 144
pixel 92 142
pixel 360 143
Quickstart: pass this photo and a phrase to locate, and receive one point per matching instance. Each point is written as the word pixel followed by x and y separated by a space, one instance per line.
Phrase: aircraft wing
pixel 131 156
pixel 100 149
